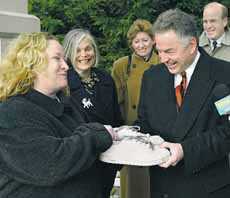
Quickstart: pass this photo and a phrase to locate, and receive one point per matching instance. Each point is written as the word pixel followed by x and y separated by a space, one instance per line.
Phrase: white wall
pixel 14 19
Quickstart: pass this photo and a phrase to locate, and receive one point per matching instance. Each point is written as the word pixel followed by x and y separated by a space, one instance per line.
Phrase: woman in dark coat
pixel 91 89
pixel 46 150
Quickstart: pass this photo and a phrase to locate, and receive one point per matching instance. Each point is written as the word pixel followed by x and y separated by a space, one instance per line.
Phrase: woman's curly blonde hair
pixel 24 57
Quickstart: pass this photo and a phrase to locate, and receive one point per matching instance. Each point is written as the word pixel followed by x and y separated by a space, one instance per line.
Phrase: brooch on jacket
pixel 87 103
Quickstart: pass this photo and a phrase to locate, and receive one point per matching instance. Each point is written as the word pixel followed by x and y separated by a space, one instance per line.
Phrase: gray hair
pixel 178 21
pixel 72 41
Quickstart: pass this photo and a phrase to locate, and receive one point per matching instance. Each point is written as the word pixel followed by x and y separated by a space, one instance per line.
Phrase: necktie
pixel 57 99
pixel 180 90
pixel 214 44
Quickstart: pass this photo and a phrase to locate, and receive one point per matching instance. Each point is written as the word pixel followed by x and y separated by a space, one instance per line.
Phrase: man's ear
pixel 153 38
pixel 193 44
pixel 225 21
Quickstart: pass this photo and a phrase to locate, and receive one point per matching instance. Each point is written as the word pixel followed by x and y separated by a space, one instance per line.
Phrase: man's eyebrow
pixel 166 50
pixel 169 50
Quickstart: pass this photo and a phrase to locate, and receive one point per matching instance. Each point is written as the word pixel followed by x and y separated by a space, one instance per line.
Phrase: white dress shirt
pixel 189 71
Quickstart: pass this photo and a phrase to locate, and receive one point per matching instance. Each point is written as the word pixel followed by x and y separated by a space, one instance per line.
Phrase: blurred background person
pixel 127 73
pixel 92 89
pixel 215 38
pixel 46 150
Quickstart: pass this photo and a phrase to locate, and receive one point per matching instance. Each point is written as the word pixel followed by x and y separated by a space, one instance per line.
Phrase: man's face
pixel 213 23
pixel 173 52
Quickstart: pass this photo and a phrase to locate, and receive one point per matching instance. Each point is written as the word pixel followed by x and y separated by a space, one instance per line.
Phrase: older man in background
pixel 216 36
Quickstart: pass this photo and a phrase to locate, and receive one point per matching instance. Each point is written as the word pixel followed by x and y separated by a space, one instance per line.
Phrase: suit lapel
pixel 198 90
pixel 171 90
pixel 166 102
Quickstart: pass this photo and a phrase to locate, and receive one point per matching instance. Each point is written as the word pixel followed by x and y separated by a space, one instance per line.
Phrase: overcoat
pixel 222 52
pixel 127 77
pixel 204 135
pixel 103 108
pixel 46 150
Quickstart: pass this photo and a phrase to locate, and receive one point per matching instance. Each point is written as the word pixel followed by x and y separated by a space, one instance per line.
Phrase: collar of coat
pixel 74 80
pixel 204 41
pixel 49 104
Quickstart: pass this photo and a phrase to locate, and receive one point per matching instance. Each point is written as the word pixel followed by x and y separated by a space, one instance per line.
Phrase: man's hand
pixel 176 151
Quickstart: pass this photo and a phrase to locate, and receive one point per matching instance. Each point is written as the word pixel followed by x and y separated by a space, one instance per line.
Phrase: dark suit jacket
pixel 203 133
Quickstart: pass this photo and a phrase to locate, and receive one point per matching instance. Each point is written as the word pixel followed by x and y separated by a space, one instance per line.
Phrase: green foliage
pixel 107 20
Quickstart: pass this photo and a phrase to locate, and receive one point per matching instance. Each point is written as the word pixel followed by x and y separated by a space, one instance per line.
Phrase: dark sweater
pixel 46 151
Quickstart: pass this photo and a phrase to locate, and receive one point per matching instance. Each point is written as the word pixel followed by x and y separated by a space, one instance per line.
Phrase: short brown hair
pixel 139 25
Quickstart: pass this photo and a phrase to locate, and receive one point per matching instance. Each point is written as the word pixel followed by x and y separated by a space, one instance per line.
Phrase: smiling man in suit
pixel 177 103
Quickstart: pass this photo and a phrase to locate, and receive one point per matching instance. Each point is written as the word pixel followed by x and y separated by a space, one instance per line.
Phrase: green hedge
pixel 108 20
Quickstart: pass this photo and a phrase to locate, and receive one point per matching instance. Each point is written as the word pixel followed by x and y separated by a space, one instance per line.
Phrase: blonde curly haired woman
pixel 46 149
